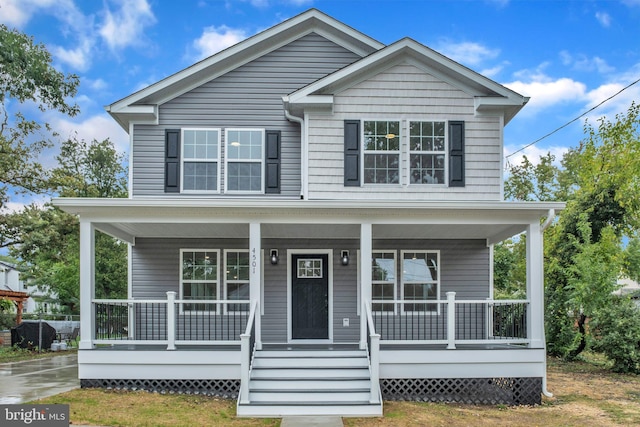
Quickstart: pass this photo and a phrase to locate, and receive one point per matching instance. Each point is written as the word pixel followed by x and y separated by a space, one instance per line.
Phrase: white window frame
pixel 233 281
pixel 437 282
pixel 182 281
pixel 393 282
pixel 184 160
pixel 445 182
pixel 227 160
pixel 366 152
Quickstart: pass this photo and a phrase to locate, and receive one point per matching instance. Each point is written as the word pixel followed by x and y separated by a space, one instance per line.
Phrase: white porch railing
pixel 169 322
pixel 451 322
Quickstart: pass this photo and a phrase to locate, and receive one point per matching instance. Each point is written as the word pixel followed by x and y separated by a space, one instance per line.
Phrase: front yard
pixel 585 393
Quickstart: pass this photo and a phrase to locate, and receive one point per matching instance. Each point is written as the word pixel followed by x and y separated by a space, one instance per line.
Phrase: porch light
pixel 235 144
pixel 274 256
pixel 344 257
pixel 390 135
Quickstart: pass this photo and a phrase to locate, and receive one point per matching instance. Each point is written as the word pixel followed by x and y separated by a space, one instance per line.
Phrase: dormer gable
pixel 489 97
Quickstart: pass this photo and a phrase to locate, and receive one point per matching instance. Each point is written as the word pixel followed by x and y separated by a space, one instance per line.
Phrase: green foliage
pixel 49 238
pixel 617 332
pixel 632 259
pixel 27 76
pixel 510 269
pixel 583 250
pixel 7 314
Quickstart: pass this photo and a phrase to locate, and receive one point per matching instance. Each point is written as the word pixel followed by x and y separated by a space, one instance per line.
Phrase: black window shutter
pixel 272 162
pixel 172 161
pixel 352 153
pixel 456 154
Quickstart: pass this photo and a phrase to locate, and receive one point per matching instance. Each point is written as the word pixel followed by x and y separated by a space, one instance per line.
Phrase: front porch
pixel 413 300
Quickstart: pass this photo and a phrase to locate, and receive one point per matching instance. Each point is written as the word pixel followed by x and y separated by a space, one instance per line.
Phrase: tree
pixel 631 259
pixel 49 238
pixel 600 180
pixel 27 76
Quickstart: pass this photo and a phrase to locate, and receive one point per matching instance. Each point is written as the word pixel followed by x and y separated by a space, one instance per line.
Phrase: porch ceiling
pixel 311 231
pixel 129 219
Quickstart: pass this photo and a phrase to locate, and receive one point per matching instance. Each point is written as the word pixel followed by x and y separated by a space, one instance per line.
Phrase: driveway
pixel 34 379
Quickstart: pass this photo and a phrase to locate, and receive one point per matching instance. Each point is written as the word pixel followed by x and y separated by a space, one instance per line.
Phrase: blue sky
pixel 566 55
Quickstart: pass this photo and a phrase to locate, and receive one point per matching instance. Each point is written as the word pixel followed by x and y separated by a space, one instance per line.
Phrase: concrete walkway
pixel 34 379
pixel 311 422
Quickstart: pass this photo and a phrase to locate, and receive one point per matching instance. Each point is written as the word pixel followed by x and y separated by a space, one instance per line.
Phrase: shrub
pixel 616 329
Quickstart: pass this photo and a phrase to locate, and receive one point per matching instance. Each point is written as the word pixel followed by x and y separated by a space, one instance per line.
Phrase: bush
pixel 616 329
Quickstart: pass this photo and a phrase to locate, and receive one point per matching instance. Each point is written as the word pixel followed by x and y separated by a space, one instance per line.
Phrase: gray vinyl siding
pixel 249 96
pixel 156 269
pixel 405 92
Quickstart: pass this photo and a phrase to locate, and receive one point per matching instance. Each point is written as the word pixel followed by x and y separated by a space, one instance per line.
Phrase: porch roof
pixel 171 217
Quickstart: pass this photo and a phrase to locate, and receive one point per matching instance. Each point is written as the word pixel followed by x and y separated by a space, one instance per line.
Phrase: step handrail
pixel 374 355
pixel 246 354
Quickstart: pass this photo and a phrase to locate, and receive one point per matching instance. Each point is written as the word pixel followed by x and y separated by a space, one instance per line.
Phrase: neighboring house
pixel 38 300
pixel 311 221
pixel 629 288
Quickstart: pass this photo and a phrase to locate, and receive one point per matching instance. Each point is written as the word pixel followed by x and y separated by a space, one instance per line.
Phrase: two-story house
pixel 310 222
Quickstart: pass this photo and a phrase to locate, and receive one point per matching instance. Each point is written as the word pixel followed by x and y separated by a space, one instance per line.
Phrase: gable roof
pixel 142 106
pixel 490 97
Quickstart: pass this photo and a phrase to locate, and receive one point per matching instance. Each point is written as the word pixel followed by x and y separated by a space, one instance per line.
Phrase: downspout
pixel 550 217
pixel 303 145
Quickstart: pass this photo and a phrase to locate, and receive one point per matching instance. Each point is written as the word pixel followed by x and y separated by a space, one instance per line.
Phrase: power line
pixel 568 123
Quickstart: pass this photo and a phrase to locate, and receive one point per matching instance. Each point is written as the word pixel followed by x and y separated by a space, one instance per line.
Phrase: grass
pixel 586 392
pixel 16 354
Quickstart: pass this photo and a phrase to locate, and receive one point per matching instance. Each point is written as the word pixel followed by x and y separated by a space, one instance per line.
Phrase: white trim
pixel 260 160
pixel 217 281
pixel 437 281
pixel 329 253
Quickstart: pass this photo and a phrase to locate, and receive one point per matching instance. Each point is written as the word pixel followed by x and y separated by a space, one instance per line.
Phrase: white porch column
pixel 535 286
pixel 87 283
pixel 255 245
pixel 366 253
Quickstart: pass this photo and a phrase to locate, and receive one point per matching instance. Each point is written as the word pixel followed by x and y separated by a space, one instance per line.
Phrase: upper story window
pixel 200 160
pixel 404 152
pixel 381 152
pixel 244 160
pixel 427 152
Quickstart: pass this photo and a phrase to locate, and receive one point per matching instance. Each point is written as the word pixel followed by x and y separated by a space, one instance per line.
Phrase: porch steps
pixel 300 382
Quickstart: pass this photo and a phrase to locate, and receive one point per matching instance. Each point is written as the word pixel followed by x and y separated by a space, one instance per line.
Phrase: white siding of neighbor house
pixel 249 96
pixel 464 269
pixel 404 92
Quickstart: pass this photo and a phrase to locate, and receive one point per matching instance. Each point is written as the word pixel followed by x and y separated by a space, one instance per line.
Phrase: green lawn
pixel 586 393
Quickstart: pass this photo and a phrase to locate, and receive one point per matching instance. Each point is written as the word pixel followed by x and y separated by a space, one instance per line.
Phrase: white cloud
pixel 215 39
pixel 581 62
pixel 604 19
pixel 99 127
pixel 468 53
pixel 17 13
pixel 79 57
pixel 533 154
pixel 545 92
pixel 125 26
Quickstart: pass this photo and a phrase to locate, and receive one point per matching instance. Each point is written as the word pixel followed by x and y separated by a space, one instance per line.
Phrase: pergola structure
pixel 18 298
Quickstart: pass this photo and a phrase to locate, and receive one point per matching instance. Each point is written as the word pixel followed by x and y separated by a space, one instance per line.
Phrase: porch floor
pixel 303 346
